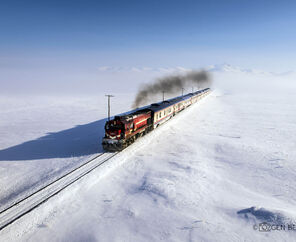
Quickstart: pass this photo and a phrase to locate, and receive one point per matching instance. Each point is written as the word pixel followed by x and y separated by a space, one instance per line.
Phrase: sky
pixel 58 44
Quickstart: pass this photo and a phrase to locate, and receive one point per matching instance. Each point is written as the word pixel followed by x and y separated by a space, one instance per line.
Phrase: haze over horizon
pixel 59 46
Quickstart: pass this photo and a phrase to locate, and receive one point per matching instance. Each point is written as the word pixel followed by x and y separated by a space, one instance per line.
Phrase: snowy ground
pixel 43 137
pixel 210 174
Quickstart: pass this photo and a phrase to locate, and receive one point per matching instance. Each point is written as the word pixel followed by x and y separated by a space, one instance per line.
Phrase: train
pixel 124 130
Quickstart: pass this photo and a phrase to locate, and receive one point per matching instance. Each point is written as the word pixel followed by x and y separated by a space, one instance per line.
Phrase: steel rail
pixel 26 197
pixel 15 211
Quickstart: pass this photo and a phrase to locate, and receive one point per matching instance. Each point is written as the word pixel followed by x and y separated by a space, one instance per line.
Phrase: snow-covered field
pixel 210 174
pixel 43 137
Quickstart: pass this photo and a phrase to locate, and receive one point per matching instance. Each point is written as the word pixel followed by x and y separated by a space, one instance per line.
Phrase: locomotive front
pixel 124 130
pixel 114 134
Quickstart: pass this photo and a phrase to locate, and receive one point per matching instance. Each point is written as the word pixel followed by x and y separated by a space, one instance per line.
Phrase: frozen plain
pixel 210 174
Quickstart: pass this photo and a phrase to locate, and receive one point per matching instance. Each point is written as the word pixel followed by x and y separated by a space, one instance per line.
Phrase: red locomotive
pixel 124 130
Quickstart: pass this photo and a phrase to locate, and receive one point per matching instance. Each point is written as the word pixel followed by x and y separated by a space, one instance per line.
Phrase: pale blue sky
pixel 56 41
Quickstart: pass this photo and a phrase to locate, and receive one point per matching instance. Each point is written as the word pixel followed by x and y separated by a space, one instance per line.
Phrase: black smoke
pixel 171 85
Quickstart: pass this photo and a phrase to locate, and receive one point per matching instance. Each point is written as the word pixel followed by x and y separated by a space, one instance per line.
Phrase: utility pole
pixel 182 91
pixel 163 96
pixel 109 105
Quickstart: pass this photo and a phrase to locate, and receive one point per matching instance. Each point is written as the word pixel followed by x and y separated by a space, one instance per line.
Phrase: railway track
pixel 32 201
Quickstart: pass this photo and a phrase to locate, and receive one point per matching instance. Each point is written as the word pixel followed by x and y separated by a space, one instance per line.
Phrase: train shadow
pixel 77 141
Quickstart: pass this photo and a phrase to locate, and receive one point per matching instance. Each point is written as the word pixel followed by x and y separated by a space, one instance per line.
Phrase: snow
pixel 210 174
pixel 43 137
pixel 220 68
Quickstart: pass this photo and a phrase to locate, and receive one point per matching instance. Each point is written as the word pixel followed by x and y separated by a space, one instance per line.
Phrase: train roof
pixel 132 114
pixel 161 105
pixel 158 106
pixel 167 103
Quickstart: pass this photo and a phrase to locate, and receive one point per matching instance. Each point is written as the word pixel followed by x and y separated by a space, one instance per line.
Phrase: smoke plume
pixel 171 85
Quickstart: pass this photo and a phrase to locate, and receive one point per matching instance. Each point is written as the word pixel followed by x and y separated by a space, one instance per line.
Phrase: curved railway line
pixel 32 201
pixel 25 205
